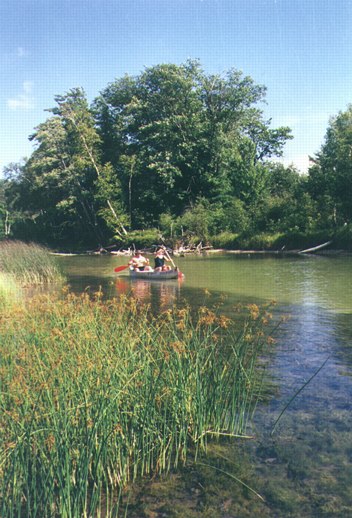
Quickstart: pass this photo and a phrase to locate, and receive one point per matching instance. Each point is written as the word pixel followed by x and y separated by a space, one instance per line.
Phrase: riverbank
pixel 213 251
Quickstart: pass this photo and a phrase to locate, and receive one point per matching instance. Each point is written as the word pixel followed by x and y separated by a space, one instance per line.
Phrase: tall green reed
pixel 97 394
pixel 28 263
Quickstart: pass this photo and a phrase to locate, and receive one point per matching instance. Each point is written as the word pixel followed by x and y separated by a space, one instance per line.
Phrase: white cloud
pixel 24 100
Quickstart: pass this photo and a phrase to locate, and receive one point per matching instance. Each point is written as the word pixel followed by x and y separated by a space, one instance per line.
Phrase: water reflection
pixel 160 295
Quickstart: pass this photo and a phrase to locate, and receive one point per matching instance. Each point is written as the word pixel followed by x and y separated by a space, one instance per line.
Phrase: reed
pixel 95 394
pixel 28 263
pixel 10 292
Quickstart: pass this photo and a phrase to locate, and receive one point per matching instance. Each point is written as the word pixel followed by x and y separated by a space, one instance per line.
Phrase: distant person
pixel 140 263
pixel 159 260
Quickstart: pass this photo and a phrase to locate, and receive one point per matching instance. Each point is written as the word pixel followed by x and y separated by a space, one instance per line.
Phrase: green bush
pixel 262 241
pixel 143 238
pixel 301 240
pixel 343 238
pixel 226 240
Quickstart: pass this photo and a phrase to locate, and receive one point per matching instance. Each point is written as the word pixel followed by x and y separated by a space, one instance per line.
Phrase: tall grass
pixel 95 394
pixel 28 263
pixel 10 292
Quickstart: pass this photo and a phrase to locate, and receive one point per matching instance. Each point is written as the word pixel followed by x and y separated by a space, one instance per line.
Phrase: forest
pixel 175 155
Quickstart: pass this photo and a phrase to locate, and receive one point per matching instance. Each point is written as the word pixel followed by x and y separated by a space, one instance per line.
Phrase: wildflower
pixel 208 317
pixel 224 322
pixel 181 325
pixel 253 310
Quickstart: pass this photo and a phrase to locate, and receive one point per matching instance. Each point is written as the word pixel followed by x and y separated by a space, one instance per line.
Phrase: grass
pixel 97 394
pixel 10 292
pixel 28 263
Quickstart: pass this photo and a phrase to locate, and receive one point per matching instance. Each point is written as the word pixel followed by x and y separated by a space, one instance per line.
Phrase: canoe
pixel 155 276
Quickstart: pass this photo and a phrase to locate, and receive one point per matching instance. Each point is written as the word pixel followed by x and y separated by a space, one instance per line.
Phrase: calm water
pixel 304 468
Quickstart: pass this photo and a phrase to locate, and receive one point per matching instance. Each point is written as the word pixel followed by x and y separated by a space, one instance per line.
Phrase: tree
pixel 85 144
pixel 330 177
pixel 63 184
pixel 192 135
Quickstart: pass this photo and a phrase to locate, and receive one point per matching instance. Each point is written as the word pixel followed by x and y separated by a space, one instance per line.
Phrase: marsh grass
pixel 96 394
pixel 28 263
pixel 10 292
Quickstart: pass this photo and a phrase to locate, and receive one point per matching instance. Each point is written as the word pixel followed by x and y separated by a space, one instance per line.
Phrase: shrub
pixel 226 240
pixel 142 238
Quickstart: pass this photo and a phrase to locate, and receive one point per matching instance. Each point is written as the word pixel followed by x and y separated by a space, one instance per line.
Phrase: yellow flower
pixel 224 322
pixel 253 310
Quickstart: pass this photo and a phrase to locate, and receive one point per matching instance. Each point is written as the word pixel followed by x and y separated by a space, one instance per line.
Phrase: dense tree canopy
pixel 175 135
pixel 330 178
pixel 176 149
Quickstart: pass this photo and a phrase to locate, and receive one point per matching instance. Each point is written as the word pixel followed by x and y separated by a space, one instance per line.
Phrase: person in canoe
pixel 140 263
pixel 159 260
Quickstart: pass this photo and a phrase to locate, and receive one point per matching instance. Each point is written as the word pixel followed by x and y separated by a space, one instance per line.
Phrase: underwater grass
pixel 95 394
pixel 28 263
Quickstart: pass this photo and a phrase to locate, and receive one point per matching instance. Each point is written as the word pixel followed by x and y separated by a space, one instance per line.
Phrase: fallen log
pixel 319 247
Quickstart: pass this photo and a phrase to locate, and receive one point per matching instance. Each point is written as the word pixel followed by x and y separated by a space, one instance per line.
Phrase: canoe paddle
pixel 180 274
pixel 120 268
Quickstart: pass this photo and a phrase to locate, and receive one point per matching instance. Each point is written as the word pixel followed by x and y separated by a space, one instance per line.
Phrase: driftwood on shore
pixel 319 247
pixel 183 250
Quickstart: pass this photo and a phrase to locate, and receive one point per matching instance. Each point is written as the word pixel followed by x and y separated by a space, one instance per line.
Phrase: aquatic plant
pixel 9 291
pixel 95 394
pixel 28 263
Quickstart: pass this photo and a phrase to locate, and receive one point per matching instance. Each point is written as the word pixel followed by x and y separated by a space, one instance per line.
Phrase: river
pixel 302 464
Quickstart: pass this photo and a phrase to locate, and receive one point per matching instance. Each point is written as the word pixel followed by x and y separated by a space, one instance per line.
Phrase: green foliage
pixel 173 148
pixel 331 175
pixel 142 238
pixel 263 241
pixel 226 240
pixel 343 238
pixel 197 221
pixel 191 135
pixel 296 240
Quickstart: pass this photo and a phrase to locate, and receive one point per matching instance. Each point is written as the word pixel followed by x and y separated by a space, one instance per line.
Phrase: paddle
pixel 120 268
pixel 180 274
pixel 167 255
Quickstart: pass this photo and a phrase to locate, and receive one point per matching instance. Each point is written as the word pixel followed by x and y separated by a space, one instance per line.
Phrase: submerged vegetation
pixel 96 394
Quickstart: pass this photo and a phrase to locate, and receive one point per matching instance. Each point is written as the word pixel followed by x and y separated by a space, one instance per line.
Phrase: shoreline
pixel 331 252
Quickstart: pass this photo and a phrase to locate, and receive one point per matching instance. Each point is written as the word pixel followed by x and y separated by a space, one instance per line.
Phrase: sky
pixel 301 50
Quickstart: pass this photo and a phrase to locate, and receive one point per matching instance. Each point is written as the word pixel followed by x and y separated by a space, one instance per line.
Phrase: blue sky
pixel 300 50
